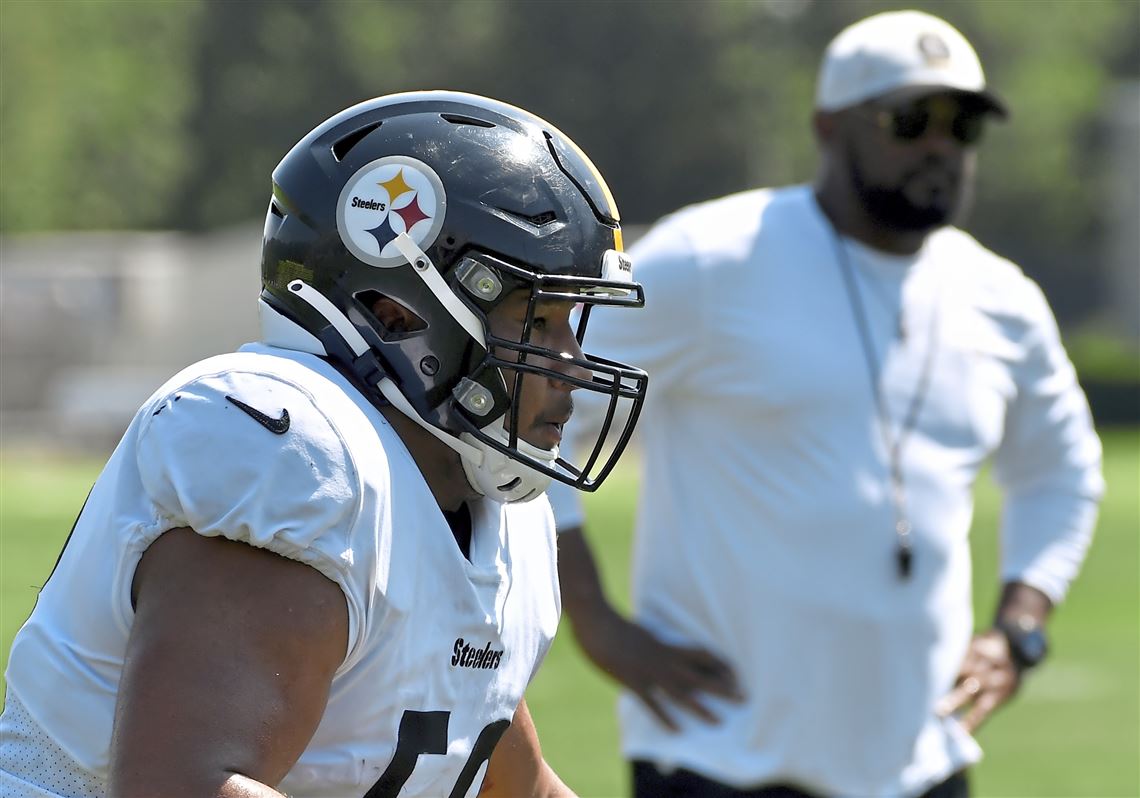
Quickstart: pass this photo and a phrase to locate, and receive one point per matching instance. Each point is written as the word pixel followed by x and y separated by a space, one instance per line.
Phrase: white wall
pixel 92 323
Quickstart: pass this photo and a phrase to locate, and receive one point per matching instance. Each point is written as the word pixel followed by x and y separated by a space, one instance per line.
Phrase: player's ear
pixel 394 316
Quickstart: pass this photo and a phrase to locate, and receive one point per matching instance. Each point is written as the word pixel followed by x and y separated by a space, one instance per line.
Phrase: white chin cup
pixel 503 478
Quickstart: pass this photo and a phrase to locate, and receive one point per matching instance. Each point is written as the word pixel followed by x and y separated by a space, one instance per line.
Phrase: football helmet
pixel 446 203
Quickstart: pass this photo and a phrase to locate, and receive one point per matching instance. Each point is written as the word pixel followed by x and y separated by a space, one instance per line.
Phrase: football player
pixel 324 565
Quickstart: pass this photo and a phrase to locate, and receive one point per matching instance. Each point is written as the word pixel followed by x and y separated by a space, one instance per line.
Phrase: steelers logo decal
pixel 387 197
pixel 933 49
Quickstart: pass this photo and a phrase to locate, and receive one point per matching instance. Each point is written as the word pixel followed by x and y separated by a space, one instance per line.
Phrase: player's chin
pixel 544 435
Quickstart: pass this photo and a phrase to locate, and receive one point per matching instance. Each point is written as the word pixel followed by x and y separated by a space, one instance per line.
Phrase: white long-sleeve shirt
pixel 766 530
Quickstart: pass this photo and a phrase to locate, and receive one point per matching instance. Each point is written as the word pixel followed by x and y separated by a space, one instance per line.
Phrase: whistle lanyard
pixel 904 545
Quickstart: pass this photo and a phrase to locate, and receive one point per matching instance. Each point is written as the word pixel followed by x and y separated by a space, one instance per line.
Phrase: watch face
pixel 1033 647
pixel 1027 643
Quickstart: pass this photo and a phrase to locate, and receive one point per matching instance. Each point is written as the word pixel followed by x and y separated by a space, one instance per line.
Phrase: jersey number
pixel 426 733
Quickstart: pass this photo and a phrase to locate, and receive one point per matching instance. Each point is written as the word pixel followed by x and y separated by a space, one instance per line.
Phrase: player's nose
pixel 568 362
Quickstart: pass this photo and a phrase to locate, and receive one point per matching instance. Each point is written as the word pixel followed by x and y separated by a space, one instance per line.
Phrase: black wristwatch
pixel 1028 643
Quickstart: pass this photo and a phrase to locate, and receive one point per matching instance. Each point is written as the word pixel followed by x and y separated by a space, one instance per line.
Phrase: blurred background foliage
pixel 171 114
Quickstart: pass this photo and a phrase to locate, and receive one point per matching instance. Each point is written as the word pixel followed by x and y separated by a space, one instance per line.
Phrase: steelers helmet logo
pixel 934 50
pixel 385 198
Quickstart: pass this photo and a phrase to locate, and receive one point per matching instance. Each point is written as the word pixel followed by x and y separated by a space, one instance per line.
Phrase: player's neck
pixel 461 527
pixel 440 465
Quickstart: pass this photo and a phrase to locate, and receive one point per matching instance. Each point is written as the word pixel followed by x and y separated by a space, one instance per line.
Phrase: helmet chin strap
pixel 503 478
pixel 490 472
pixel 427 272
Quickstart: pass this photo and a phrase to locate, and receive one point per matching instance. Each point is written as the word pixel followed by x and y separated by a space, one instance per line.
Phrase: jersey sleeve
pixel 1049 461
pixel 243 473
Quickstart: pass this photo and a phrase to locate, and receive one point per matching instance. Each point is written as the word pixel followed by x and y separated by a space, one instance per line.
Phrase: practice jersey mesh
pixel 33 766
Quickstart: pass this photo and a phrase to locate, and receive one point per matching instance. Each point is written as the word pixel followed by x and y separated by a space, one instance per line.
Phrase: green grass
pixel 1073 731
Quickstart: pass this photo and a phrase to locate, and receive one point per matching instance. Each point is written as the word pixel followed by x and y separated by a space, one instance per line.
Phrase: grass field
pixel 1073 731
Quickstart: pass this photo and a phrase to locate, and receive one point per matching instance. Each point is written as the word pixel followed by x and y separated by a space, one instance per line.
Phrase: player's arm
pixel 227 672
pixel 517 769
pixel 630 653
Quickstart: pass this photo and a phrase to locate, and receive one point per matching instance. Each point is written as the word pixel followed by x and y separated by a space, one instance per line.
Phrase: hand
pixel 654 670
pixel 987 680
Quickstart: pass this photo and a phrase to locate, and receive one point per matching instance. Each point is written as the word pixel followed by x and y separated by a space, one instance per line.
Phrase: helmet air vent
pixel 584 175
pixel 531 222
pixel 275 209
pixel 539 219
pixel 463 119
pixel 343 145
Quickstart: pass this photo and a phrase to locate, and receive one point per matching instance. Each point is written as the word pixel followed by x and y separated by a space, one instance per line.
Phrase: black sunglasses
pixel 911 122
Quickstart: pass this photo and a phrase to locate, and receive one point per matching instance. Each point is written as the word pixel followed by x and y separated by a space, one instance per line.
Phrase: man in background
pixel 831 366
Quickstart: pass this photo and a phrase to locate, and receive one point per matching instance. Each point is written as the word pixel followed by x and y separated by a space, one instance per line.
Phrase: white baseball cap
pixel 908 52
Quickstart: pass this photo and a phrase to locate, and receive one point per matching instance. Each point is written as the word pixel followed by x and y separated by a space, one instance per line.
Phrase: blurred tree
pixel 262 74
pixel 171 114
pixel 1042 175
pixel 93 97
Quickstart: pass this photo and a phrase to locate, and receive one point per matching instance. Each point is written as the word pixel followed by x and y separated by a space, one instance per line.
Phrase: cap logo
pixel 933 49
pixel 386 197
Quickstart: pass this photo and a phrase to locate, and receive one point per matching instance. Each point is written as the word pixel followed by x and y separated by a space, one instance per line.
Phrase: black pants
pixel 649 782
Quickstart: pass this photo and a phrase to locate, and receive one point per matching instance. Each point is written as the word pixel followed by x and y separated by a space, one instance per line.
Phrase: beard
pixel 892 209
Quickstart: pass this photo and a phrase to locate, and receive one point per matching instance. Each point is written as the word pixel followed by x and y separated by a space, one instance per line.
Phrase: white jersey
pixel 440 647
pixel 765 526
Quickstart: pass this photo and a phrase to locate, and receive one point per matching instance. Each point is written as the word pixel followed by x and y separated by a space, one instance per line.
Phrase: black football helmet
pixel 446 203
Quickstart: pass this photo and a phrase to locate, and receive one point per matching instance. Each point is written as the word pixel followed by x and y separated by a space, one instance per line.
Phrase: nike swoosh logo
pixel 278 426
